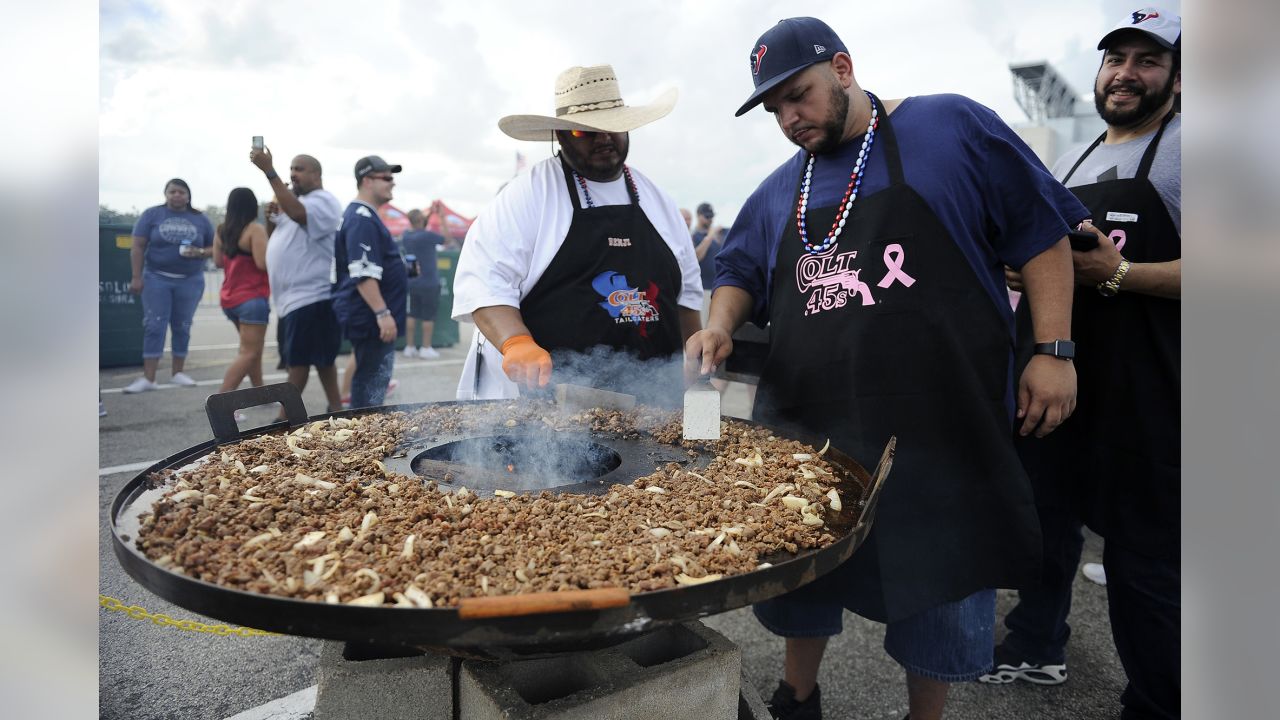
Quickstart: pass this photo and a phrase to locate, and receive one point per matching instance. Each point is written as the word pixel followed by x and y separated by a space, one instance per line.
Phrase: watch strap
pixel 1061 349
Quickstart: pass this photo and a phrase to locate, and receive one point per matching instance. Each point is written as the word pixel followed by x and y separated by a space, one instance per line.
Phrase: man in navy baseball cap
pixel 873 251
pixel 787 48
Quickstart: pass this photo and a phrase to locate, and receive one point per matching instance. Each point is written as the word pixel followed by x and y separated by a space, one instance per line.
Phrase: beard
pixel 598 162
pixel 1149 102
pixel 831 130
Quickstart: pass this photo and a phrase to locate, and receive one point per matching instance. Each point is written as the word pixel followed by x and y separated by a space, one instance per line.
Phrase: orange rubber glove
pixel 525 362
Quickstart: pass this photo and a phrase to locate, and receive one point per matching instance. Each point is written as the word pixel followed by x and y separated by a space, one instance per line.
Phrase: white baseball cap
pixel 1161 25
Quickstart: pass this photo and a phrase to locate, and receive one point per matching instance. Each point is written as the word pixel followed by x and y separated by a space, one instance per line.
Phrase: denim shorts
pixel 249 312
pixel 952 642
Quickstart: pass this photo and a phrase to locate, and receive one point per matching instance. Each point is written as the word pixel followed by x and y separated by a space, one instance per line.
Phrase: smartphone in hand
pixel 257 142
pixel 1082 240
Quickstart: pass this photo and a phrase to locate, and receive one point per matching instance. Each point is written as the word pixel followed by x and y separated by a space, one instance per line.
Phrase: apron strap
pixel 1149 156
pixel 890 143
pixel 1084 155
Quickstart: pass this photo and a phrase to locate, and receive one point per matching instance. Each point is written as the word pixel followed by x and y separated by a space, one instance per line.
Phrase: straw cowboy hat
pixel 588 98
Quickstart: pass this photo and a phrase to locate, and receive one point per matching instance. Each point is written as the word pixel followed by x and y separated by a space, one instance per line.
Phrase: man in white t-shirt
pixel 301 224
pixel 581 265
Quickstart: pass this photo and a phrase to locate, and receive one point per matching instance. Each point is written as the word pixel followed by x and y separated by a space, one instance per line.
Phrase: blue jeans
pixel 374 363
pixel 168 303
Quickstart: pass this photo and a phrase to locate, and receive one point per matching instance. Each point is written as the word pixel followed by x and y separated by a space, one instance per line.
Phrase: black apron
pixel 1120 450
pixel 902 339
pixel 613 283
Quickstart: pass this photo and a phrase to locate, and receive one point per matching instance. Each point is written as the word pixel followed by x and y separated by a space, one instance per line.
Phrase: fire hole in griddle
pixel 537 461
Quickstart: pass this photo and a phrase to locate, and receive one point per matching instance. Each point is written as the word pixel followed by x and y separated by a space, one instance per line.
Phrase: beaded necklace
pixel 631 187
pixel 850 193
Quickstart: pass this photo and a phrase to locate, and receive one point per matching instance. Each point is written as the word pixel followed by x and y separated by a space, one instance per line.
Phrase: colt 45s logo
pixel 626 303
pixel 831 282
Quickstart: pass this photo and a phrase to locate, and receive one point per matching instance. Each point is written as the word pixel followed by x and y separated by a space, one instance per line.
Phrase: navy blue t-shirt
pixel 1000 204
pixel 422 244
pixel 707 265
pixel 364 249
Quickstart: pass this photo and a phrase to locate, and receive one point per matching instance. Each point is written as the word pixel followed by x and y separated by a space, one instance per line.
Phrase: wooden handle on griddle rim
pixel 546 602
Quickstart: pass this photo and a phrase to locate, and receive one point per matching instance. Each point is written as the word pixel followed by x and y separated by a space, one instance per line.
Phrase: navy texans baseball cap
pixel 787 48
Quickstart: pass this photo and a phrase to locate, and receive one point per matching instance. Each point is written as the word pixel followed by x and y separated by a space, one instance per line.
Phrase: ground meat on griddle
pixel 315 515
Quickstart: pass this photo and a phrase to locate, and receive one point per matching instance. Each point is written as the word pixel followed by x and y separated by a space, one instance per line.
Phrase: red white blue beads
pixel 850 193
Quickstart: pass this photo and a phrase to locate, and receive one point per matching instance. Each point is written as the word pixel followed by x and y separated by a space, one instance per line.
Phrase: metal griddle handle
pixel 877 480
pixel 498 606
pixel 221 407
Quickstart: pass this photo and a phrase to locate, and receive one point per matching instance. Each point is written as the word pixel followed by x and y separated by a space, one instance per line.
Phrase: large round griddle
pixel 443 629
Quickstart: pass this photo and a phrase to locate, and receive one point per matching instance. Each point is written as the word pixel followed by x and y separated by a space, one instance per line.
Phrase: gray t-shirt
pixel 1120 161
pixel 300 258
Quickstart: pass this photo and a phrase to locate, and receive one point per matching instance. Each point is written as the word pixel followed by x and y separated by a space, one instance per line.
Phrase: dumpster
pixel 445 332
pixel 119 311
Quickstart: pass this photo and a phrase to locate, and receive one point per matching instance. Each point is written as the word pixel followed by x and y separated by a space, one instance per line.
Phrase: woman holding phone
pixel 170 243
pixel 240 249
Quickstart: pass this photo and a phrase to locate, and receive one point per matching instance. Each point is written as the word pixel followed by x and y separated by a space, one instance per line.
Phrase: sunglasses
pixel 584 133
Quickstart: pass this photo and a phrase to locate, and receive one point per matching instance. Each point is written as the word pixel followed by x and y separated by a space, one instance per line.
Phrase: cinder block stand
pixel 682 671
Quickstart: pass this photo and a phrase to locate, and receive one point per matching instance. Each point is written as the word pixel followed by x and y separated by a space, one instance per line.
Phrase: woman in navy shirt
pixel 170 243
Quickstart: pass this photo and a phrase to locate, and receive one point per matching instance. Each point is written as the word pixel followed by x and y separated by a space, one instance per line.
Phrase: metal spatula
pixel 702 411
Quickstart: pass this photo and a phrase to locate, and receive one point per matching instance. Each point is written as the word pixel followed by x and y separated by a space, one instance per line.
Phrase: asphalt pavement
pixel 151 671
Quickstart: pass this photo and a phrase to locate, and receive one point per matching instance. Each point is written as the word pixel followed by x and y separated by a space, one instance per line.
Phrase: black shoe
pixel 1010 666
pixel 784 706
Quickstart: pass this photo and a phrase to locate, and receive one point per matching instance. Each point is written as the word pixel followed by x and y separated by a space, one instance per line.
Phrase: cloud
pixel 184 84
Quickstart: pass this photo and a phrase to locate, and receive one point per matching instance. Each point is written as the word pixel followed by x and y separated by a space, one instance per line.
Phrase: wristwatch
pixel 1111 286
pixel 1061 349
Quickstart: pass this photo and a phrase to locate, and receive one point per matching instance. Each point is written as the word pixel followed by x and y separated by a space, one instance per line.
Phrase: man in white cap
pixel 1116 463
pixel 581 253
pixel 876 254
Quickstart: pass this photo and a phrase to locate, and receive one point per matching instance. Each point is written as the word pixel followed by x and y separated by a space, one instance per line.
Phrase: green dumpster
pixel 119 311
pixel 445 332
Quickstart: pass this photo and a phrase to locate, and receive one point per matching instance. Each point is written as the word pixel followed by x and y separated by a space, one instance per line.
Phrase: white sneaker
pixel 1095 572
pixel 429 353
pixel 183 379
pixel 409 351
pixel 140 385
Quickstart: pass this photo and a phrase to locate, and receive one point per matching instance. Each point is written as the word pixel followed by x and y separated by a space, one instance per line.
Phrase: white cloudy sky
pixel 184 84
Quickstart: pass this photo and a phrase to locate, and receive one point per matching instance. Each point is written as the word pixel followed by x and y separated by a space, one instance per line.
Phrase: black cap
pixel 706 209
pixel 787 48
pixel 373 163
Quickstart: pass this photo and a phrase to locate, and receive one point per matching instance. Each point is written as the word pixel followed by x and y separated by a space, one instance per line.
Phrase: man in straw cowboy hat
pixel 580 253
pixel 884 238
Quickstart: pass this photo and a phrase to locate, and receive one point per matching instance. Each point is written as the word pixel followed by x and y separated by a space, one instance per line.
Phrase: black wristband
pixel 272 175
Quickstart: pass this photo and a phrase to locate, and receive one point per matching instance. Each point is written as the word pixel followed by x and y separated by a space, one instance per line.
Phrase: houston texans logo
pixel 1141 15
pixel 756 57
